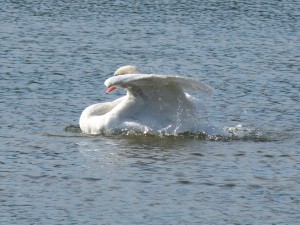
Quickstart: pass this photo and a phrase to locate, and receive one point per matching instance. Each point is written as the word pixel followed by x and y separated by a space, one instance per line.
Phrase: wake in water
pixel 209 132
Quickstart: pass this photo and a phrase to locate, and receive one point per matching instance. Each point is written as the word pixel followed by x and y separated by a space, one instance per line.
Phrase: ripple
pixel 55 55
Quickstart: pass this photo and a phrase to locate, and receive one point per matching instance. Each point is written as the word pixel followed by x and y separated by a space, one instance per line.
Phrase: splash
pixel 241 132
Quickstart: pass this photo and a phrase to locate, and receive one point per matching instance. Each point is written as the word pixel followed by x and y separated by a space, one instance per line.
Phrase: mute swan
pixel 153 104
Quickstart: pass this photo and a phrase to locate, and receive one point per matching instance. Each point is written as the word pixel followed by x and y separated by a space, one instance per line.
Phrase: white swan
pixel 153 104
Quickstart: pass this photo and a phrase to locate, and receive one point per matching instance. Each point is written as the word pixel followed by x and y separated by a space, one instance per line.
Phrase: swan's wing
pixel 158 98
pixel 153 81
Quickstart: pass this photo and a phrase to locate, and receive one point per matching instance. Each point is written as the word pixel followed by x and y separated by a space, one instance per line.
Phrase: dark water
pixel 55 56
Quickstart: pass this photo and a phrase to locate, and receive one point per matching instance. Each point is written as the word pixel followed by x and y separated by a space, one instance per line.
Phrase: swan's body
pixel 154 103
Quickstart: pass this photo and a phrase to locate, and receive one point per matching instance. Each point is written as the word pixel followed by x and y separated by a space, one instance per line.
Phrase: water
pixel 55 56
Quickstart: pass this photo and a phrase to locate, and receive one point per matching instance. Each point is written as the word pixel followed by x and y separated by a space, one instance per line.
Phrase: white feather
pixel 153 104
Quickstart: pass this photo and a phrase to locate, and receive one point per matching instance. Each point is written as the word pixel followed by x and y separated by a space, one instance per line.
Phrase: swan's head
pixel 122 71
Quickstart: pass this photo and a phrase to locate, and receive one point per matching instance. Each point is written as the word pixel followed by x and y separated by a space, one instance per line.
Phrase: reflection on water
pixel 192 172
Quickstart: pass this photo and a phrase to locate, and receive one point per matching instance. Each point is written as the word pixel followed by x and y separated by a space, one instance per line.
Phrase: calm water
pixel 55 56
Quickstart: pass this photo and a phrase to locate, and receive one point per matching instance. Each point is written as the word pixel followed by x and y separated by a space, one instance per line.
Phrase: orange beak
pixel 110 89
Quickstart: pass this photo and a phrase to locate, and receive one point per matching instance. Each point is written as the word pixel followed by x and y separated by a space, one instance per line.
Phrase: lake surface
pixel 54 58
